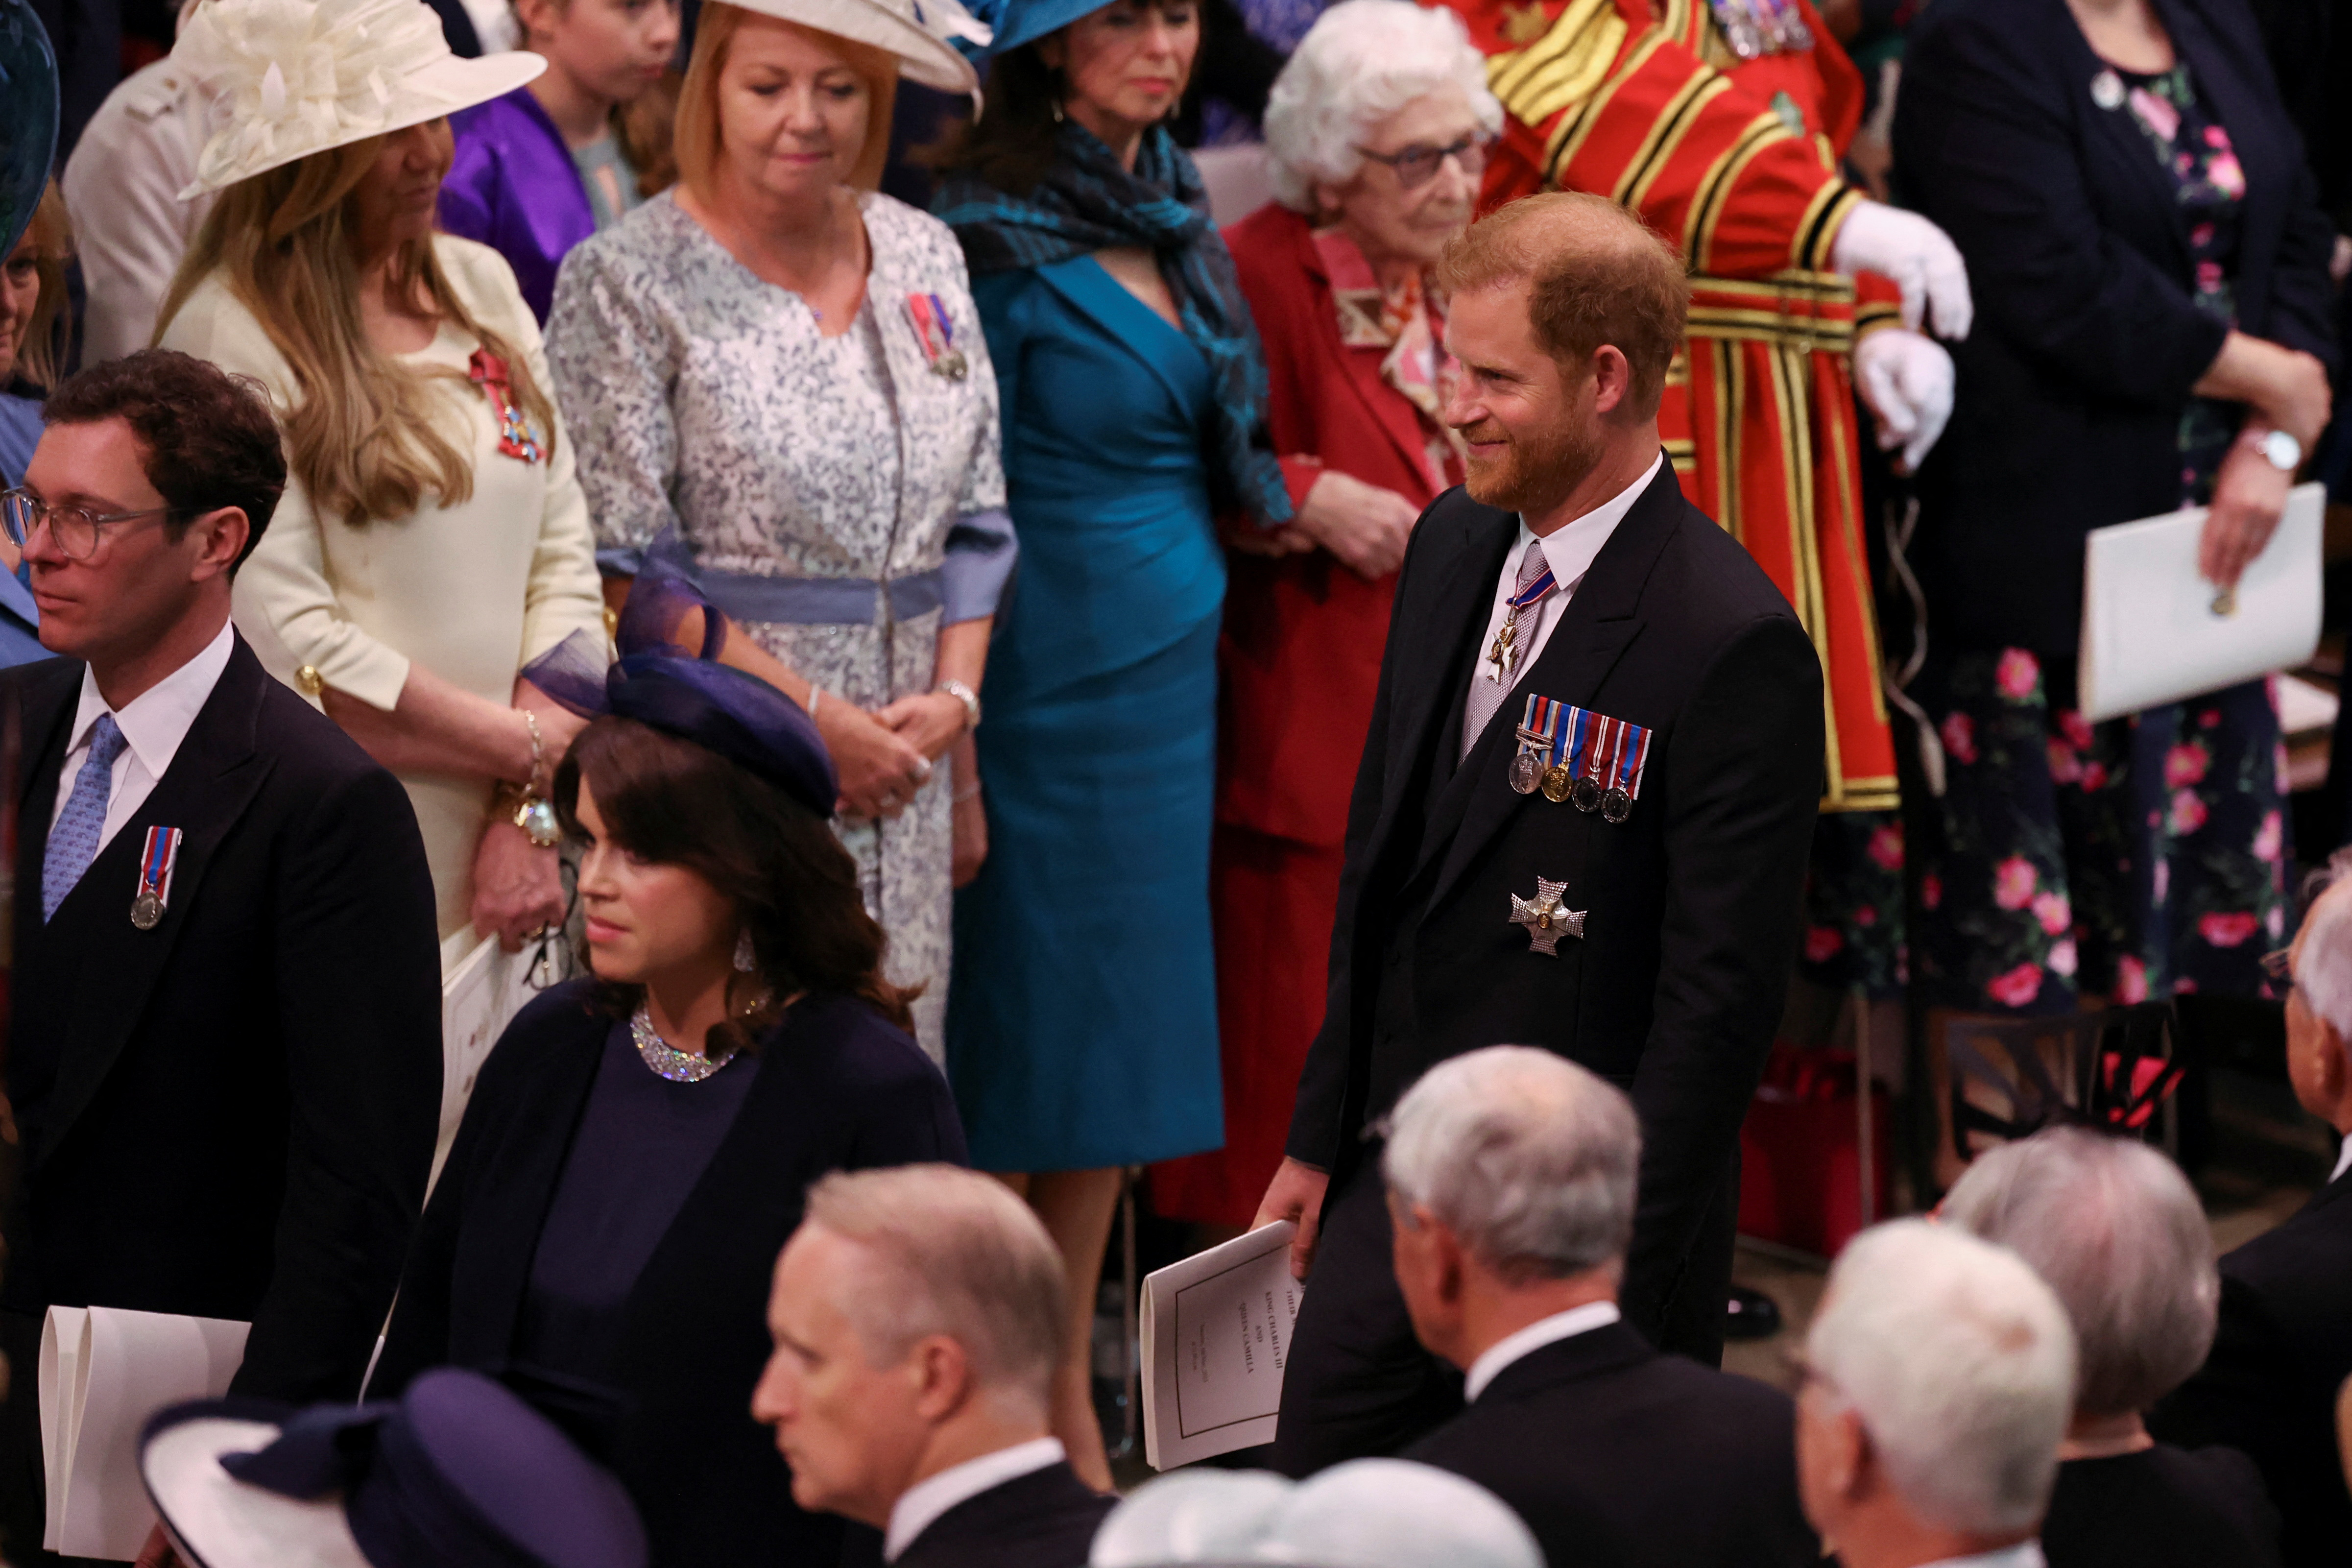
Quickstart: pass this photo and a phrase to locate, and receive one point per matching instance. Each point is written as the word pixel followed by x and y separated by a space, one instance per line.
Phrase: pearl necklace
pixel 666 1059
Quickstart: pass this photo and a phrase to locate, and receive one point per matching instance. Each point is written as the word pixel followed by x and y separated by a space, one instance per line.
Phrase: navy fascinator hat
pixel 460 1473
pixel 682 690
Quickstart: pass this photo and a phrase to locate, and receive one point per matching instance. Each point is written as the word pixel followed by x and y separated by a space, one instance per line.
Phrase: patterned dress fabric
pixel 2144 857
pixel 708 411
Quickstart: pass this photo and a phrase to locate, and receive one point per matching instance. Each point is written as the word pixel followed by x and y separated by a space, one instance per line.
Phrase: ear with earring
pixel 746 960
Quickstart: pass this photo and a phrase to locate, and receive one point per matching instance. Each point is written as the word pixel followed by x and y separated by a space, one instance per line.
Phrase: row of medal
pixel 1752 28
pixel 1579 757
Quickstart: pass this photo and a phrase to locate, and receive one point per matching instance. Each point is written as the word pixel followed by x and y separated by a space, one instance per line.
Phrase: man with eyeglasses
pixel 224 1052
pixel 2283 1349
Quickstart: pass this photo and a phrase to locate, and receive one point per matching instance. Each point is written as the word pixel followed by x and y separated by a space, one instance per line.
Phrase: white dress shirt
pixel 153 723
pixel 2024 1554
pixel 1534 1337
pixel 2343 1160
pixel 921 1504
pixel 1568 551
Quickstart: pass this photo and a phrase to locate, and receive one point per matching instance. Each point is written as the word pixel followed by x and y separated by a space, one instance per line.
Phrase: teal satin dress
pixel 1082 1025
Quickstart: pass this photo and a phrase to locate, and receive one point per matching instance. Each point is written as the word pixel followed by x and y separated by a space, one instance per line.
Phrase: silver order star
pixel 1546 920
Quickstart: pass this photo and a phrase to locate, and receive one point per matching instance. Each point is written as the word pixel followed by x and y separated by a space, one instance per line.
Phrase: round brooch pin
pixel 2107 89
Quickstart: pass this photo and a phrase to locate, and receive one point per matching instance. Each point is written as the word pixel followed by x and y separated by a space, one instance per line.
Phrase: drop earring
pixel 1057 111
pixel 745 958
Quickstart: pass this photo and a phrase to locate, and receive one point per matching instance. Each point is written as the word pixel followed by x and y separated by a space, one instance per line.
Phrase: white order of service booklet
pixel 104 1370
pixel 482 988
pixel 1216 1335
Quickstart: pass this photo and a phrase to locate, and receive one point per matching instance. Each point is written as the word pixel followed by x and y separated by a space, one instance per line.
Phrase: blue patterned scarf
pixel 1090 202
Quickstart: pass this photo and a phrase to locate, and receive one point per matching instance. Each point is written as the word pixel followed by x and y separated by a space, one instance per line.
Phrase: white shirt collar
pixel 2024 1554
pixel 921 1505
pixel 2343 1160
pixel 155 721
pixel 1569 550
pixel 1534 1337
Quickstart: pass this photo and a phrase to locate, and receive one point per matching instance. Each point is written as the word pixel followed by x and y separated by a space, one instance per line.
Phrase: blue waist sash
pixel 801 601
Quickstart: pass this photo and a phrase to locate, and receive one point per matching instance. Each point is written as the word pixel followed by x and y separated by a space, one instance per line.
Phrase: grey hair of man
pixel 950 1252
pixel 1365 1513
pixel 2115 1229
pixel 2324 971
pixel 1361 62
pixel 1960 1364
pixel 1528 1158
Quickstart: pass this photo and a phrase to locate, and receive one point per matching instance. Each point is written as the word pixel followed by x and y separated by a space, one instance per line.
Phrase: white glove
pixel 1907 379
pixel 1921 259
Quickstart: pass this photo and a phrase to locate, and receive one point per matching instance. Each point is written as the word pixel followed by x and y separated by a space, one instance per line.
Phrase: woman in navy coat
pixel 636 1148
pixel 2154 331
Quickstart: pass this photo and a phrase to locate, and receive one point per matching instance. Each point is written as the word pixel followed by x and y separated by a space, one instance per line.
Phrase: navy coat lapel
pixel 1601 622
pixel 1428 725
pixel 204 793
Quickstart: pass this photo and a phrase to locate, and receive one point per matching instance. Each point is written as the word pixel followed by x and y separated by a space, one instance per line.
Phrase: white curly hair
pixel 1361 62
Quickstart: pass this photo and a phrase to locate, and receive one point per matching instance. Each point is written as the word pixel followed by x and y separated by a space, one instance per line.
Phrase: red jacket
pixel 1303 635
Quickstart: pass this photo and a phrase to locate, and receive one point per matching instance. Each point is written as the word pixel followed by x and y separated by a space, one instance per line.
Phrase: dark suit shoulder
pixel 2163 1508
pixel 44 679
pixel 305 744
pixel 1046 1519
pixel 2299 1266
pixel 1710 580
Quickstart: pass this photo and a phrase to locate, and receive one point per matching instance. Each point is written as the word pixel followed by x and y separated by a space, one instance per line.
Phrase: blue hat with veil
pixel 28 118
pixel 670 678
pixel 1018 22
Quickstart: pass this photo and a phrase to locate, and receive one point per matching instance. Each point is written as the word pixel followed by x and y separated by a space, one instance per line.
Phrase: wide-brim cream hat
pixel 917 31
pixel 290 77
pixel 215 1521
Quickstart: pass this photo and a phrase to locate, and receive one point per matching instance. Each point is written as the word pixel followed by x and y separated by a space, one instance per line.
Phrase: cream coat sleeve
pixel 283 592
pixel 122 188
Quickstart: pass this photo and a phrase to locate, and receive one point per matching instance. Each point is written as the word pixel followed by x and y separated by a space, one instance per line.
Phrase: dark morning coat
pixel 231 1115
pixel 2269 1386
pixel 838 1089
pixel 1620 1456
pixel 1692 904
pixel 1046 1519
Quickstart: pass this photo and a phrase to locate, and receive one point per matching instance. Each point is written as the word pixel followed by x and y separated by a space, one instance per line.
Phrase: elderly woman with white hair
pixel 1376 135
pixel 2115 1229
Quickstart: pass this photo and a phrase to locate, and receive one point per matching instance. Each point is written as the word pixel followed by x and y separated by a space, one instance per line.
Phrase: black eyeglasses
pixel 76 529
pixel 1418 165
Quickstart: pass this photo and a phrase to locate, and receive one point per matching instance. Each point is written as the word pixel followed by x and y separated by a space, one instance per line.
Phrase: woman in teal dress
pixel 1082 1025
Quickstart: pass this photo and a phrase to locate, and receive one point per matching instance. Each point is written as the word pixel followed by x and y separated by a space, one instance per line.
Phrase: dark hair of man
pixel 208 437
pixel 1594 274
pixel 794 886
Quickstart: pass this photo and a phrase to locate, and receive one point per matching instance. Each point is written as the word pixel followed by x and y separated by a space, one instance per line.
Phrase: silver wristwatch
pixel 2284 452
pixel 965 695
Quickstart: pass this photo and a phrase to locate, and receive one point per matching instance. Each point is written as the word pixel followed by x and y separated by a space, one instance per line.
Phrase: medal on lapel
pixel 1504 655
pixel 1536 731
pixel 488 371
pixel 936 332
pixel 1632 755
pixel 1567 750
pixel 155 863
pixel 1545 919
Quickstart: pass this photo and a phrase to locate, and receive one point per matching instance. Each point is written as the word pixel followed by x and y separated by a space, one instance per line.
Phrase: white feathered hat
pixel 290 77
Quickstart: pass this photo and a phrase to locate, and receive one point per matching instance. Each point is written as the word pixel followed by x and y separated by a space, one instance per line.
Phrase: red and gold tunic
pixel 1736 162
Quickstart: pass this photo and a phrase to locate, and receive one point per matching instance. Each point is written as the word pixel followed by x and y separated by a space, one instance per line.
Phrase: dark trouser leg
pixel 1358 1384
pixel 1692 1324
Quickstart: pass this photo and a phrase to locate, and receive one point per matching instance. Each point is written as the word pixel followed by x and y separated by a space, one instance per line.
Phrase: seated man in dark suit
pixel 1510 1177
pixel 224 1040
pixel 917 1322
pixel 2284 1345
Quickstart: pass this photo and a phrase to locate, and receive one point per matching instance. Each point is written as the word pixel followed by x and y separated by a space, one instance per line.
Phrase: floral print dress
pixel 2137 858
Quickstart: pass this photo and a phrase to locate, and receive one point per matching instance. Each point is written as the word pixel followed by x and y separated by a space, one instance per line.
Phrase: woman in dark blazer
pixel 2153 330
pixel 636 1148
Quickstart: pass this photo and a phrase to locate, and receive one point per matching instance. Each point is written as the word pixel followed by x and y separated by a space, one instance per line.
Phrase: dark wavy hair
pixel 793 885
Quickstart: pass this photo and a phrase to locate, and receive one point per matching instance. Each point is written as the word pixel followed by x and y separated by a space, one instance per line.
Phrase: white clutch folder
pixel 2152 633
pixel 482 989
pixel 1216 1335
pixel 104 1370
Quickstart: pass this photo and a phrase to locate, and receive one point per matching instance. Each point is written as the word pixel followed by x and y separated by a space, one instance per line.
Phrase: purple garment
pixel 513 186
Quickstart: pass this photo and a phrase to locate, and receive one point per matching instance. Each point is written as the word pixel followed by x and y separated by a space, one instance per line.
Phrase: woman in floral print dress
pixel 2135 211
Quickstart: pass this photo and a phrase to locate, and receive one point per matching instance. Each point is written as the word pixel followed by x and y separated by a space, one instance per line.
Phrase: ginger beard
pixel 1538 464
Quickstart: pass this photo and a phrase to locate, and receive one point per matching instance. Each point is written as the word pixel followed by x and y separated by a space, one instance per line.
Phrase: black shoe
pixel 1752 1315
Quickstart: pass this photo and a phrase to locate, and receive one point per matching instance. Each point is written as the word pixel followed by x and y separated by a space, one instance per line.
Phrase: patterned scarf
pixel 1090 202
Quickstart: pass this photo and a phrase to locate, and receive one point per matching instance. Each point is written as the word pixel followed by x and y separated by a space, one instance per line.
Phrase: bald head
pixel 1592 274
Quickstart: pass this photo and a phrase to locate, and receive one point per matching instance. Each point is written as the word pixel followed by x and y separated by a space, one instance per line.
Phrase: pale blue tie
pixel 73 842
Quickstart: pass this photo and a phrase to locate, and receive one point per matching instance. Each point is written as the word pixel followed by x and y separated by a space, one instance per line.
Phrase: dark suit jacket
pixel 1046 1519
pixel 1692 904
pixel 1620 1457
pixel 2161 1508
pixel 230 1115
pixel 2073 379
pixel 838 1089
pixel 2283 1349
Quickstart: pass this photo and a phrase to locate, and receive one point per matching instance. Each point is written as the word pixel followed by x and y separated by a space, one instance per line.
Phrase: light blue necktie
pixel 73 842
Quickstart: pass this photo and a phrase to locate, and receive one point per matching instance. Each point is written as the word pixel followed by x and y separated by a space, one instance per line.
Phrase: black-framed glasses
pixel 1418 165
pixel 76 529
